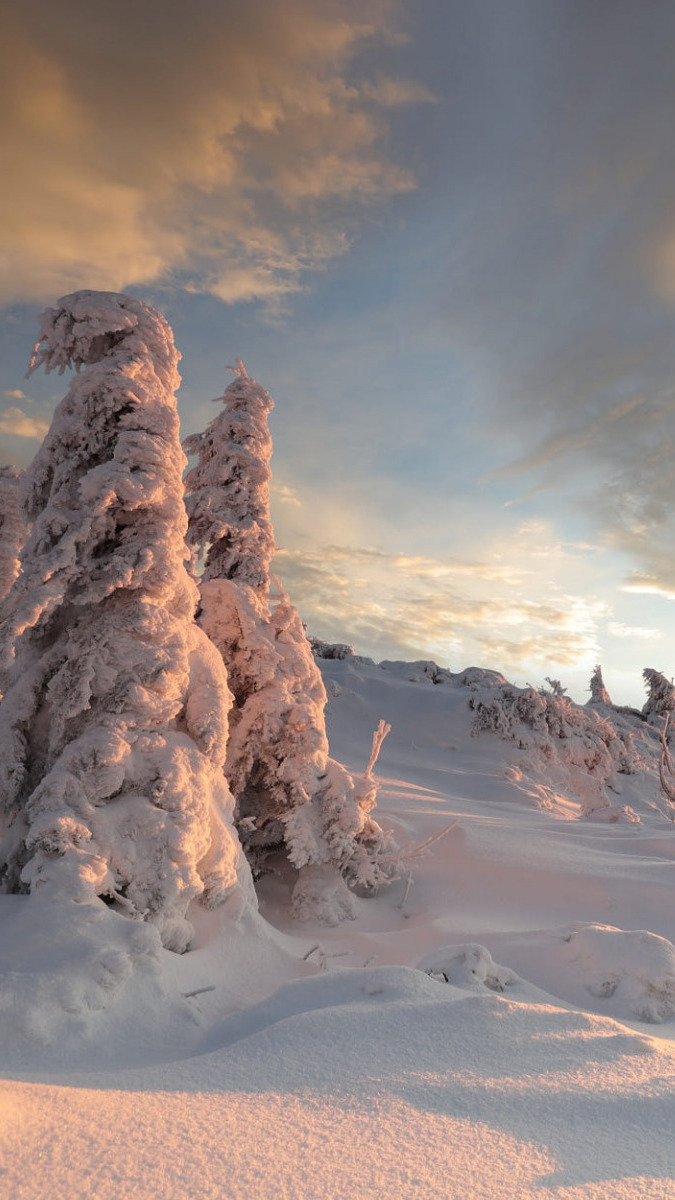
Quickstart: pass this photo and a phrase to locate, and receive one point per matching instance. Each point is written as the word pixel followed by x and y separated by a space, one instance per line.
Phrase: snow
pixel 111 768
pixel 498 1024
pixel 288 792
pixel 12 528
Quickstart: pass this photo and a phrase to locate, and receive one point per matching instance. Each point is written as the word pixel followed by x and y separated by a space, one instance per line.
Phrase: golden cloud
pixel 286 494
pixel 17 424
pixel 222 142
pixel 444 610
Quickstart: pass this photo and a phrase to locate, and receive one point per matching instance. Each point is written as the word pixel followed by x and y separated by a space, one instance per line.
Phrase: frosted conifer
pixel 113 729
pixel 289 794
pixel 12 527
pixel 661 693
pixel 599 693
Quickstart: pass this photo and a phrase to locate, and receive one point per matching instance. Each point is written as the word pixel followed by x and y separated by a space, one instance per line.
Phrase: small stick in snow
pixel 404 855
pixel 406 893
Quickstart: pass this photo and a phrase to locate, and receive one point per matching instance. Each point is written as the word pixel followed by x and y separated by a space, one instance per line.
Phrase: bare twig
pixel 403 855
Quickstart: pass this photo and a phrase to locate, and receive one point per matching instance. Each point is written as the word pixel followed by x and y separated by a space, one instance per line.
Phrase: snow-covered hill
pixel 499 1022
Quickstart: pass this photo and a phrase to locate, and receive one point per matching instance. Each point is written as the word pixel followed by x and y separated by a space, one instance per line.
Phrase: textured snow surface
pixel 500 1023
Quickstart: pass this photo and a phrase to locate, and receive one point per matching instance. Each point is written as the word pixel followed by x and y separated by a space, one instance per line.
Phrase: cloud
pixel 227 146
pixel 285 494
pixel 403 606
pixel 619 630
pixel 649 585
pixel 16 423
pixel 14 394
pixel 391 93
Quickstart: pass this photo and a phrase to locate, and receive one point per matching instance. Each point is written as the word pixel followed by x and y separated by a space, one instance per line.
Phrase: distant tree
pixel 661 693
pixel 660 703
pixel 113 729
pixel 556 687
pixel 12 527
pixel 599 693
pixel 289 794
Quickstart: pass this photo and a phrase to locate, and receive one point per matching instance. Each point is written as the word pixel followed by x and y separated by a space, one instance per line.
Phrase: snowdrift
pixel 499 1022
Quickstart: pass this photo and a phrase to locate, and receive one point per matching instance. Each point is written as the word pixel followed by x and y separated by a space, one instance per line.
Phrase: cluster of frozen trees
pixel 586 745
pixel 151 725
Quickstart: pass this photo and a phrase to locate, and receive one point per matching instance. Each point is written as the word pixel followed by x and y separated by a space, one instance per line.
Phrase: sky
pixel 442 234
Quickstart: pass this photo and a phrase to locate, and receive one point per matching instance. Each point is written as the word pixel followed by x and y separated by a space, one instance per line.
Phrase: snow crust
pixel 498 1024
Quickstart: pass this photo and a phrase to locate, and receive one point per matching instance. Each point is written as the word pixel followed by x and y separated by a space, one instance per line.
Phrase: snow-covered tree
pixel 289 794
pixel 113 729
pixel 660 703
pixel 599 693
pixel 228 499
pixel 661 693
pixel 12 527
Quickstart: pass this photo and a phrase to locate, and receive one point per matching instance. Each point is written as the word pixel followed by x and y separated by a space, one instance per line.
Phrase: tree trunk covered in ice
pixel 289 794
pixel 113 729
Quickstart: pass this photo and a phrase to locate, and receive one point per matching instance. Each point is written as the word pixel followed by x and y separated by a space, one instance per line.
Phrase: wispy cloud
pixel 228 145
pixel 644 632
pixel 649 585
pixel 410 606
pixel 560 280
pixel 286 494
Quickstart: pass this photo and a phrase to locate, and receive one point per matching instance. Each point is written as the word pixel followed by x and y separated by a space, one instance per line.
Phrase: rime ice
pixel 288 792
pixel 111 768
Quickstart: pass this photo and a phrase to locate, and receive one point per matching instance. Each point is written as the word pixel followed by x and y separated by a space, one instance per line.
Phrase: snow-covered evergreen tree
pixel 113 729
pixel 661 694
pixel 599 693
pixel 12 527
pixel 289 794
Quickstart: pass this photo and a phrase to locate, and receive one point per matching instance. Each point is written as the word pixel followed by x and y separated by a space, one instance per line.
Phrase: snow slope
pixel 499 1023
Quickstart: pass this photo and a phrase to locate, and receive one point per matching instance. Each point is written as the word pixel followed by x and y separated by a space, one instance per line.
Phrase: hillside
pixel 499 1022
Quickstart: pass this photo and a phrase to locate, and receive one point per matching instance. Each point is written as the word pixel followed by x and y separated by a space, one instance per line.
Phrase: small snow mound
pixel 635 968
pixel 616 813
pixel 467 966
pixel 422 671
pixel 62 965
pixel 355 989
pixel 478 677
pixel 321 894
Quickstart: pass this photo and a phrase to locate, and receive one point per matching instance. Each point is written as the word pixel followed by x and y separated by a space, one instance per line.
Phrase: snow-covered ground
pixel 499 1023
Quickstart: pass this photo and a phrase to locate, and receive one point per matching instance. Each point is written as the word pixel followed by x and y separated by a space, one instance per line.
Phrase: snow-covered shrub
pixel 12 527
pixel 113 729
pixel 468 965
pixel 574 746
pixel 331 650
pixel 556 687
pixel 633 969
pixel 289 794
